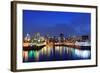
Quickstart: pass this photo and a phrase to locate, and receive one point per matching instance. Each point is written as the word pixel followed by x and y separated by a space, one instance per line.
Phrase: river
pixel 57 53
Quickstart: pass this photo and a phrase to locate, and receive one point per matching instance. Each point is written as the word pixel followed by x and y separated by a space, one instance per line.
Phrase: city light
pixel 36 47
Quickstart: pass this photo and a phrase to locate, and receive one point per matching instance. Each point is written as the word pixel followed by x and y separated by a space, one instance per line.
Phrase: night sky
pixel 53 23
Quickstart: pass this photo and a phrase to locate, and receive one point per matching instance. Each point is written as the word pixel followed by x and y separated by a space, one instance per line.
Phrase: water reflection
pixel 55 53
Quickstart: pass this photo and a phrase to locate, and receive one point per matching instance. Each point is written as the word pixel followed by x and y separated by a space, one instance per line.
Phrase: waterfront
pixel 40 48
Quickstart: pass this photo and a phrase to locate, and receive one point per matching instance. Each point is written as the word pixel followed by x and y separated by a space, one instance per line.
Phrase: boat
pixel 84 45
pixel 33 46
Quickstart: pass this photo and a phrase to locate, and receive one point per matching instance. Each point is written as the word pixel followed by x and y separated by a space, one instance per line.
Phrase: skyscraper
pixel 27 38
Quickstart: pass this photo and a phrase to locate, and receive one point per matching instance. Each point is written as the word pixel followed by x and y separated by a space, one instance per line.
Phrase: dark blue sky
pixel 53 23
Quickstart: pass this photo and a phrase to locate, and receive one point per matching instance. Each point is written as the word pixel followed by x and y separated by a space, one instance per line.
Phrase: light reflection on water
pixel 55 53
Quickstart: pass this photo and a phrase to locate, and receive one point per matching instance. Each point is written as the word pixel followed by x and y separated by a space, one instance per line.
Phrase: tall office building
pixel 27 38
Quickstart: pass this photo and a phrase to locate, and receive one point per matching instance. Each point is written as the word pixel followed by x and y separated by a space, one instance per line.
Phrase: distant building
pixel 37 38
pixel 61 37
pixel 85 37
pixel 27 38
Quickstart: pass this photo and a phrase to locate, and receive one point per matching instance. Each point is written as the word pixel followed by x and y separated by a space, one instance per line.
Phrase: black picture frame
pixel 14 34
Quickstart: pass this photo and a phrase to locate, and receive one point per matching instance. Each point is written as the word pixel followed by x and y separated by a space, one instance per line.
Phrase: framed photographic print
pixel 52 36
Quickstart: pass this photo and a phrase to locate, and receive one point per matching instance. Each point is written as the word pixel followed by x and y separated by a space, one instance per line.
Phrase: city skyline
pixel 56 36
pixel 54 23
